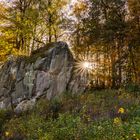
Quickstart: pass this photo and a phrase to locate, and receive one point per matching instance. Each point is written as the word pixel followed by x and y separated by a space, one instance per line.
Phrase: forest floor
pixel 96 115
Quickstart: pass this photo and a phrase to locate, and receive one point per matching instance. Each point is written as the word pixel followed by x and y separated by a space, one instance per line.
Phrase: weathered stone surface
pixel 49 73
pixel 25 105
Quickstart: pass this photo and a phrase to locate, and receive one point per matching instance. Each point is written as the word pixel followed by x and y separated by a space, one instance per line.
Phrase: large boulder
pixel 46 73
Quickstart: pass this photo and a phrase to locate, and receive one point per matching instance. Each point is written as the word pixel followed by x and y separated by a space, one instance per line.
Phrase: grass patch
pixel 106 115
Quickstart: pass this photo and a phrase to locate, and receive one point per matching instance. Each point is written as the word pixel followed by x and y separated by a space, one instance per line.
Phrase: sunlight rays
pixel 84 67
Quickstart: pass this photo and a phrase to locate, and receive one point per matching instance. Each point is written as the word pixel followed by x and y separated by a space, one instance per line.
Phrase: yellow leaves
pixel 3 9
pixel 50 10
pixel 80 8
pixel 56 5
pixel 134 6
pixel 18 16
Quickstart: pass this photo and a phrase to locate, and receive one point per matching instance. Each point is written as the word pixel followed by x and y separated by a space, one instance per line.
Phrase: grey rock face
pixel 49 74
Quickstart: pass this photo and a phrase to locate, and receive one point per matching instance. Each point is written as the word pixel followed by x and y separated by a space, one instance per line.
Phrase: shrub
pixel 5 115
pixel 135 88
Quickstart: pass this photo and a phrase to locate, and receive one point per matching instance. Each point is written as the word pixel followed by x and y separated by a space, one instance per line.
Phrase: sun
pixel 83 67
pixel 87 65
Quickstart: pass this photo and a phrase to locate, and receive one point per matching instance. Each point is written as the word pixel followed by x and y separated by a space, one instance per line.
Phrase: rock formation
pixel 46 73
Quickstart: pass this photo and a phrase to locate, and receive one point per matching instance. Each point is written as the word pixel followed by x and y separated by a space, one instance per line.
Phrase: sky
pixel 5 1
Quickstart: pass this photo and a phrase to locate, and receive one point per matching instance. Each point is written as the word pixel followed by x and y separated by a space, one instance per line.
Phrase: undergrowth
pixel 97 115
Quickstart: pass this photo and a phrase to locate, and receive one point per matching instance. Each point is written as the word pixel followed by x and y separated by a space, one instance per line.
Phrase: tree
pixel 6 35
pixel 133 41
pixel 33 23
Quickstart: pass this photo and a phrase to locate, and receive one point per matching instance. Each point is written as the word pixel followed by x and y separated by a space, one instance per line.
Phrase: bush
pixel 29 127
pixel 135 88
pixel 5 115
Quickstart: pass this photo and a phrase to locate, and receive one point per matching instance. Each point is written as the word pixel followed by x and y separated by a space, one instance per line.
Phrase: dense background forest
pixel 104 38
pixel 105 33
